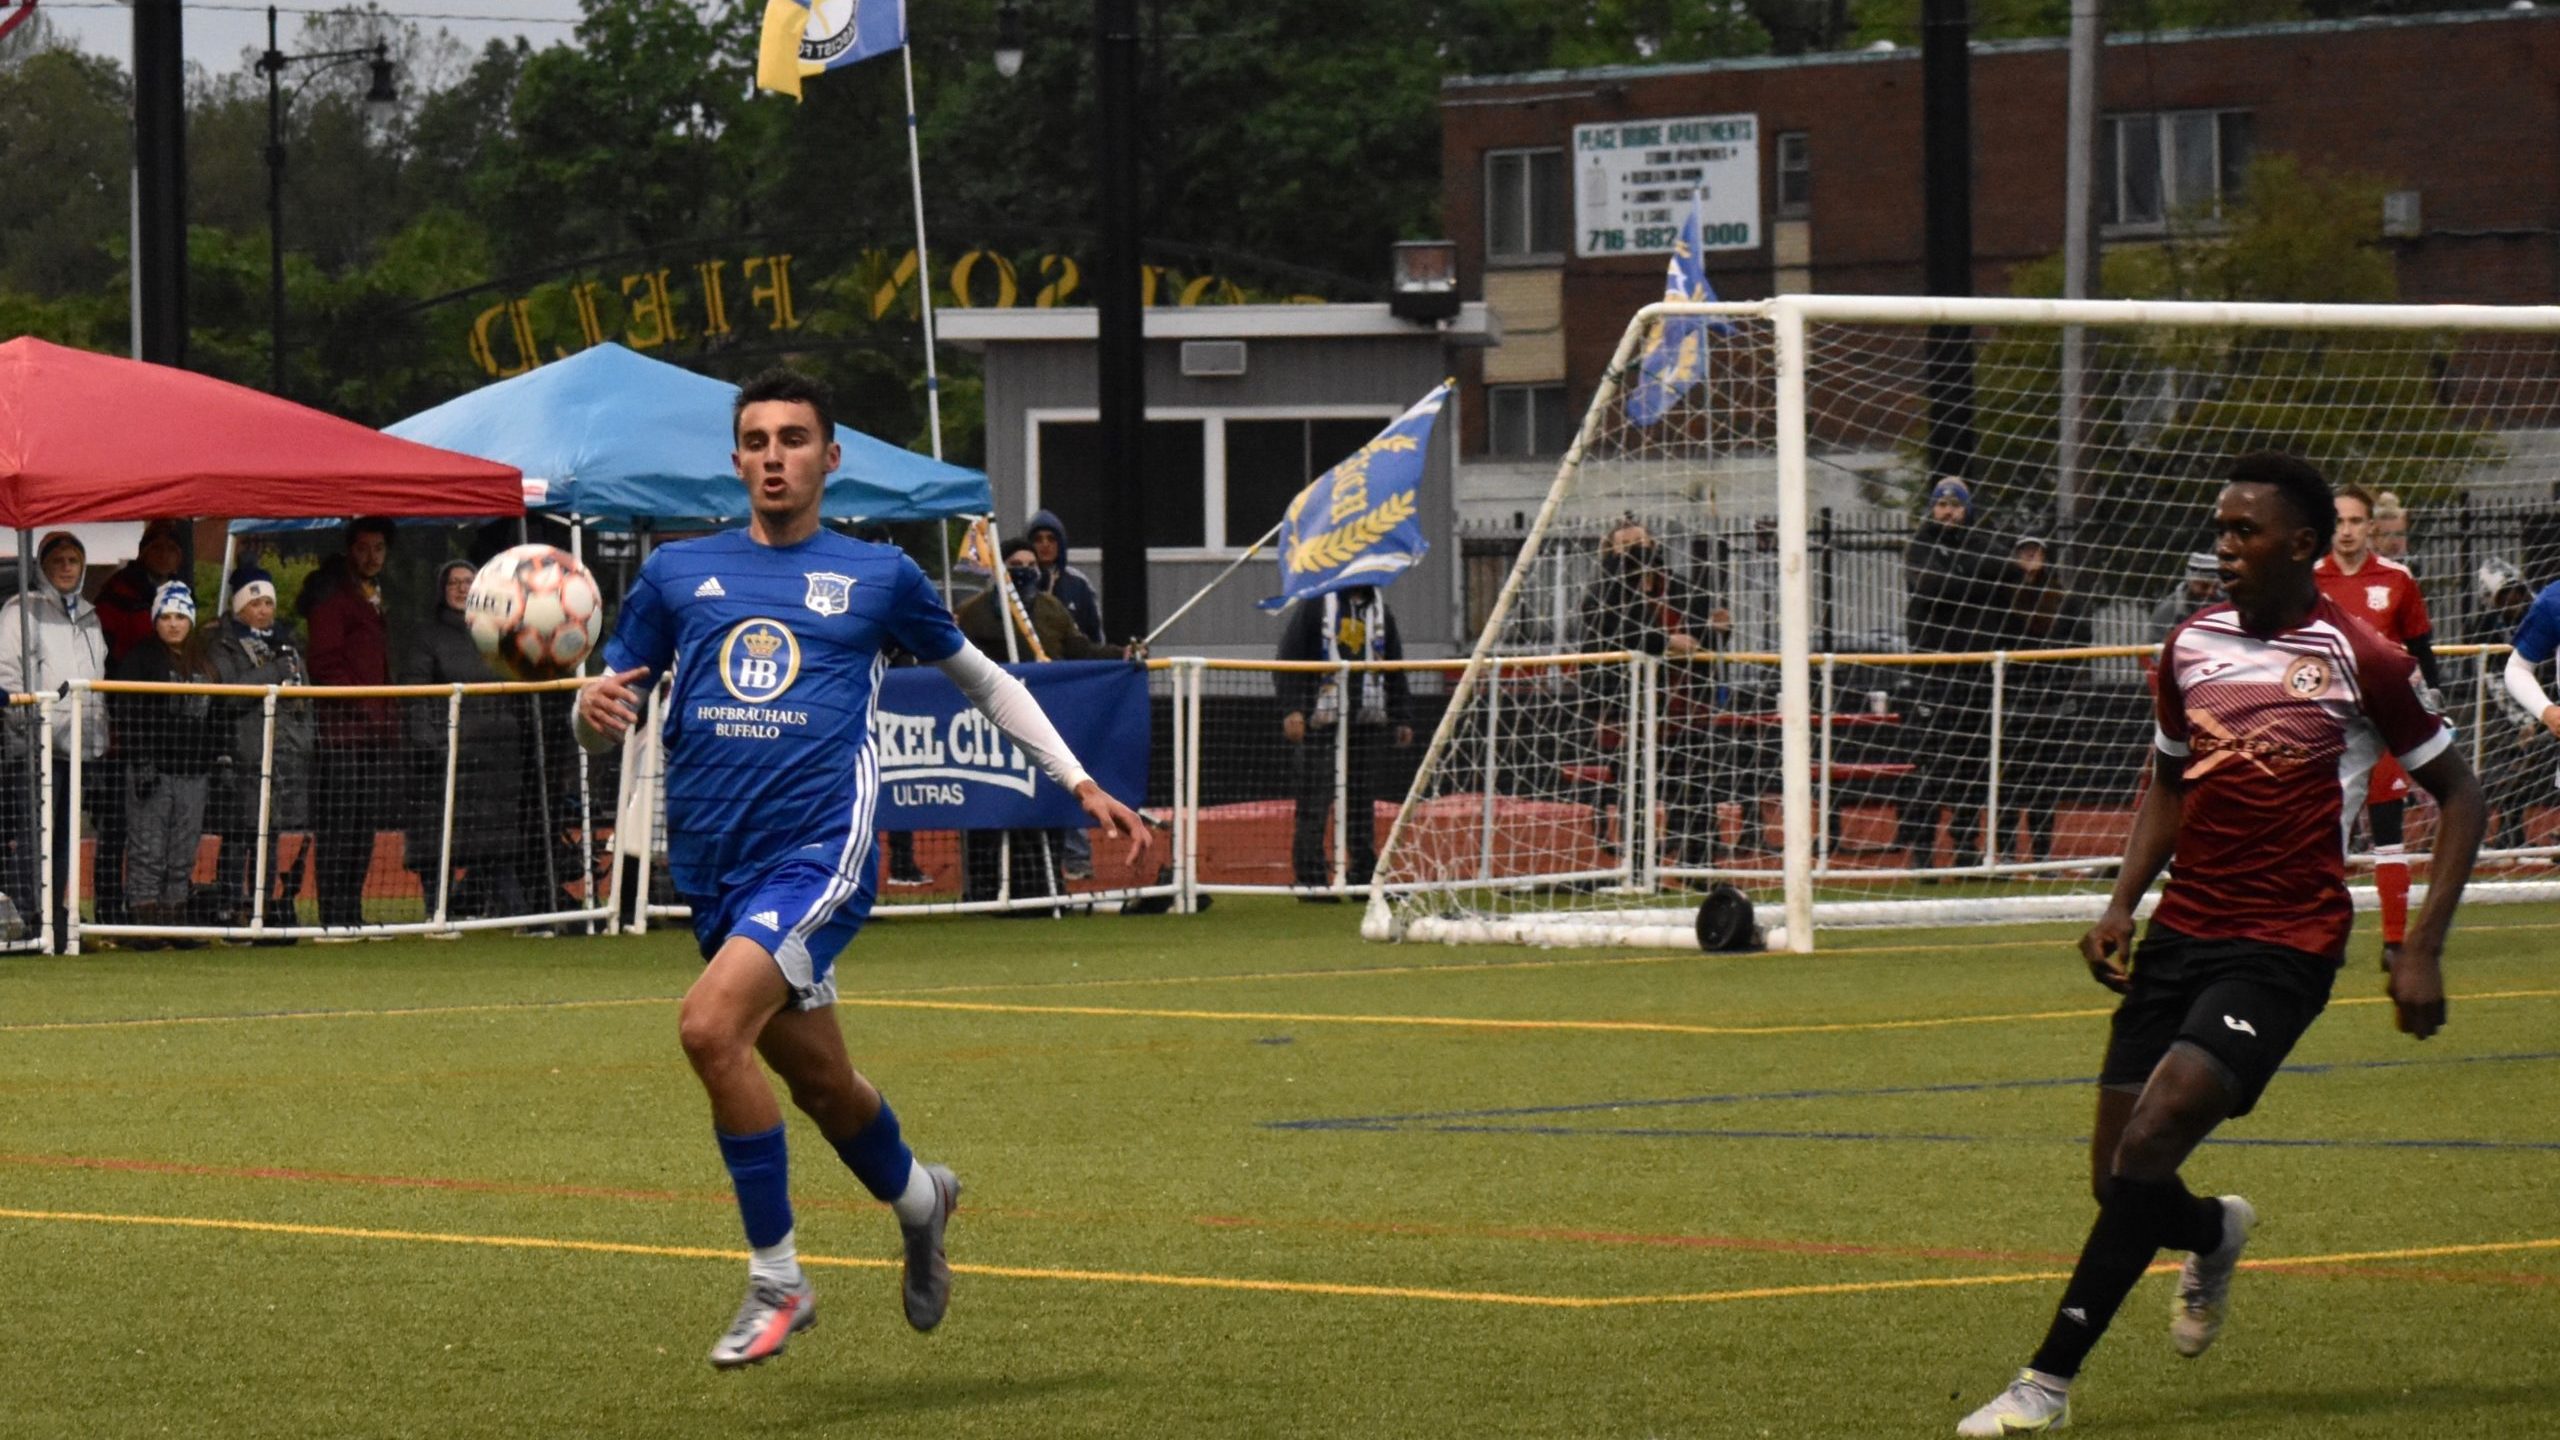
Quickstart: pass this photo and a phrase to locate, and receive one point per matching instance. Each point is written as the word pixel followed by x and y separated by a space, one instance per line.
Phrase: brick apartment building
pixel 1816 161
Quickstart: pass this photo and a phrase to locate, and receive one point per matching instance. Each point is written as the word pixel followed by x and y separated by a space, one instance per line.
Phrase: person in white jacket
pixel 68 645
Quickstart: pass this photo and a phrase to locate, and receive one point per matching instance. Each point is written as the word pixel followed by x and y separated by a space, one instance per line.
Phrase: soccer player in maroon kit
pixel 2381 592
pixel 2272 711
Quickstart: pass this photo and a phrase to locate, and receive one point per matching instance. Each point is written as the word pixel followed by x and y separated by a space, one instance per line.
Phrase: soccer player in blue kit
pixel 773 783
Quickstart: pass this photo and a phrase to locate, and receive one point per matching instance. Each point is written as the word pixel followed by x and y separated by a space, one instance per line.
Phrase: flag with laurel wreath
pixel 1360 523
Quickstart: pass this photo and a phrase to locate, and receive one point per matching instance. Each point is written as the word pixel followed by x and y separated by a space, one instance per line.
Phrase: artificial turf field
pixel 1242 1174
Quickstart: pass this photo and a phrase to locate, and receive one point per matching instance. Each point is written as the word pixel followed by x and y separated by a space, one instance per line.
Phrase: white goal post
pixel 1736 647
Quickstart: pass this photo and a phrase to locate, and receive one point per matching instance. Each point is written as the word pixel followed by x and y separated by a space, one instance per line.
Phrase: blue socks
pixel 760 1171
pixel 878 1157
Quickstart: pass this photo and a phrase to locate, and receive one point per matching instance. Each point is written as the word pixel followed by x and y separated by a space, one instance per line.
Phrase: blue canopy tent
pixel 611 438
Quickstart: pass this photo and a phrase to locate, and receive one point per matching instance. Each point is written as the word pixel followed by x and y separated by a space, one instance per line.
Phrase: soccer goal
pixel 1742 644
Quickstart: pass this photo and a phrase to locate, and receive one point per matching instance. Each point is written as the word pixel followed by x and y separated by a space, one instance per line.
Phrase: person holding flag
pixel 1344 538
pixel 1674 360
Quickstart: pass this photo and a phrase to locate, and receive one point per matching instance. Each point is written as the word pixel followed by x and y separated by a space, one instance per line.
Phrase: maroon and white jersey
pixel 2279 734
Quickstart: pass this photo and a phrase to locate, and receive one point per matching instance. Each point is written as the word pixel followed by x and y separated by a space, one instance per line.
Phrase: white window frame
pixel 2164 131
pixel 1213 463
pixel 1798 209
pixel 1563 443
pixel 1528 220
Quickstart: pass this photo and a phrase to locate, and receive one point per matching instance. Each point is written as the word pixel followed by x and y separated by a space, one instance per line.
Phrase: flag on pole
pixel 810 37
pixel 1360 522
pixel 1674 360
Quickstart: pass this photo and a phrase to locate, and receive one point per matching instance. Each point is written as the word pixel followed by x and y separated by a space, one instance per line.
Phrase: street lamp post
pixel 271 64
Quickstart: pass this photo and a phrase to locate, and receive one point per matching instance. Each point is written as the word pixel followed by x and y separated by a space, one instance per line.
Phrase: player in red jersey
pixel 2272 710
pixel 2382 593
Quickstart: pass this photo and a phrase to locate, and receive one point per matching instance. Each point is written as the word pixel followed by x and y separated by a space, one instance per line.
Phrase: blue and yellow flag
pixel 1674 360
pixel 1360 523
pixel 810 37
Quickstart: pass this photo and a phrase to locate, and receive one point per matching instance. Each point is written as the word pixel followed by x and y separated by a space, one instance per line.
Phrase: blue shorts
pixel 802 911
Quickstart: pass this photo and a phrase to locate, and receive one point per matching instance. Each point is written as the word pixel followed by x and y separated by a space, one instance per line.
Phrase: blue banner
pixel 802 38
pixel 944 766
pixel 1360 523
pixel 1674 360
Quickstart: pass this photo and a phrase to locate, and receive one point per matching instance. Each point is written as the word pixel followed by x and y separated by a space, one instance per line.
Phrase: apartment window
pixel 1795 174
pixel 1527 421
pixel 2172 164
pixel 1527 214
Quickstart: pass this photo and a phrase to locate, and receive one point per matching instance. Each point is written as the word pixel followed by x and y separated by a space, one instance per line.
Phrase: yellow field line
pixel 1264 1017
pixel 1219 1282
pixel 394 1013
pixel 1459 1022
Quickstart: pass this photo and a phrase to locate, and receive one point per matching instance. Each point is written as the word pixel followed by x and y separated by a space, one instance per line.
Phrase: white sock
pixel 915 1204
pixel 778 1262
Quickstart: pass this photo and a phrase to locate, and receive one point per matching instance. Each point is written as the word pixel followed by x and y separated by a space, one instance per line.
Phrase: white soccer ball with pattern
pixel 534 611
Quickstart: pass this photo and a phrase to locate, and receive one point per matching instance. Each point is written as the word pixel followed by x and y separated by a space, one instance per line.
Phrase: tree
pixel 2378 408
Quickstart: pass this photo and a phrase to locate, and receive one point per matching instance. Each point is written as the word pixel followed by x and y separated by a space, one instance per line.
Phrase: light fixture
pixel 1008 39
pixel 1423 280
pixel 382 95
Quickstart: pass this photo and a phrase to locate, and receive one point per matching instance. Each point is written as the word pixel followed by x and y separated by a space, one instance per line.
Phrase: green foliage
pixel 2165 406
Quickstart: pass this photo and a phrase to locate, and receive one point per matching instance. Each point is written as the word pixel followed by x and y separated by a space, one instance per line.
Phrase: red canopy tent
pixel 95 437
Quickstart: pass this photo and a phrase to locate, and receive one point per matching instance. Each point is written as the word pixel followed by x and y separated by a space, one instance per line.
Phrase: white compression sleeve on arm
pixel 2525 687
pixel 1008 702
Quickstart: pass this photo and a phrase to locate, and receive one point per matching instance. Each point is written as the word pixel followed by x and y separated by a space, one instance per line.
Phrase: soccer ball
pixel 533 610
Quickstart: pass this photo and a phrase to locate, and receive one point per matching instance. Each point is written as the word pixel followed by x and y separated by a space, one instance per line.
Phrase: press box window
pixel 1172 457
pixel 1527 420
pixel 1795 174
pixel 1527 213
pixel 2171 164
pixel 1270 461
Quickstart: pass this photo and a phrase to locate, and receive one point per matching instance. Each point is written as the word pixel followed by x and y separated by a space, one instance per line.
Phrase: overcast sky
pixel 218 31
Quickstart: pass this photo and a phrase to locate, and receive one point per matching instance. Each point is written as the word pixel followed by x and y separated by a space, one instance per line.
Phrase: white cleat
pixel 2204 1283
pixel 2030 1405
pixel 771 1315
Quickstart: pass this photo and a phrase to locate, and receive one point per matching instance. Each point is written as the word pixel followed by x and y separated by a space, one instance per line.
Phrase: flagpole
pixel 1212 585
pixel 924 264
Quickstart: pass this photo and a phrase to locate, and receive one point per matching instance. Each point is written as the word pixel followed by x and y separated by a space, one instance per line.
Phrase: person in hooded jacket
pixel 1048 537
pixel 488 838
pixel 253 647
pixel 69 645
pixel 171 743
pixel 356 777
pixel 1961 595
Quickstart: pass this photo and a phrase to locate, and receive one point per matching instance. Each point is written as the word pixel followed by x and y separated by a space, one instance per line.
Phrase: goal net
pixel 1740 643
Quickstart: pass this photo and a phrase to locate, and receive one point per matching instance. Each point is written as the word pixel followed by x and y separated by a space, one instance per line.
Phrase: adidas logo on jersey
pixel 709 586
pixel 769 919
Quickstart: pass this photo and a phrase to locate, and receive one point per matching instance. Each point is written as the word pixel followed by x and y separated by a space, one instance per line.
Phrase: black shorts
pixel 2243 1002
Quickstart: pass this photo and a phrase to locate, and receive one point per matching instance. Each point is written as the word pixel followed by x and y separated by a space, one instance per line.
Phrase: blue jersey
pixel 778 655
pixel 2538 634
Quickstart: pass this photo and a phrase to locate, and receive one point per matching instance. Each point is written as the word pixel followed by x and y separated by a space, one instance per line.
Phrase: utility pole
pixel 1121 354
pixel 159 257
pixel 1946 169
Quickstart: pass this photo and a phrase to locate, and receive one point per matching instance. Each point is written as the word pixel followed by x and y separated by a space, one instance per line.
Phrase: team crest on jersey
pixel 2307 677
pixel 2377 597
pixel 759 660
pixel 829 593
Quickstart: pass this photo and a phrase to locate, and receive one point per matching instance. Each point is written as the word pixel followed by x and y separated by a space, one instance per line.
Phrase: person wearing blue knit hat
pixel 169 743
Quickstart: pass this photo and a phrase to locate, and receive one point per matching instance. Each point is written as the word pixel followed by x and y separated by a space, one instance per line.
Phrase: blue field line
pixel 1480 1122
pixel 1885 1137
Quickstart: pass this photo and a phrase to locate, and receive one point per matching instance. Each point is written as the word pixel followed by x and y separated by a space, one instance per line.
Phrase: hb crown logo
pixel 759 660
